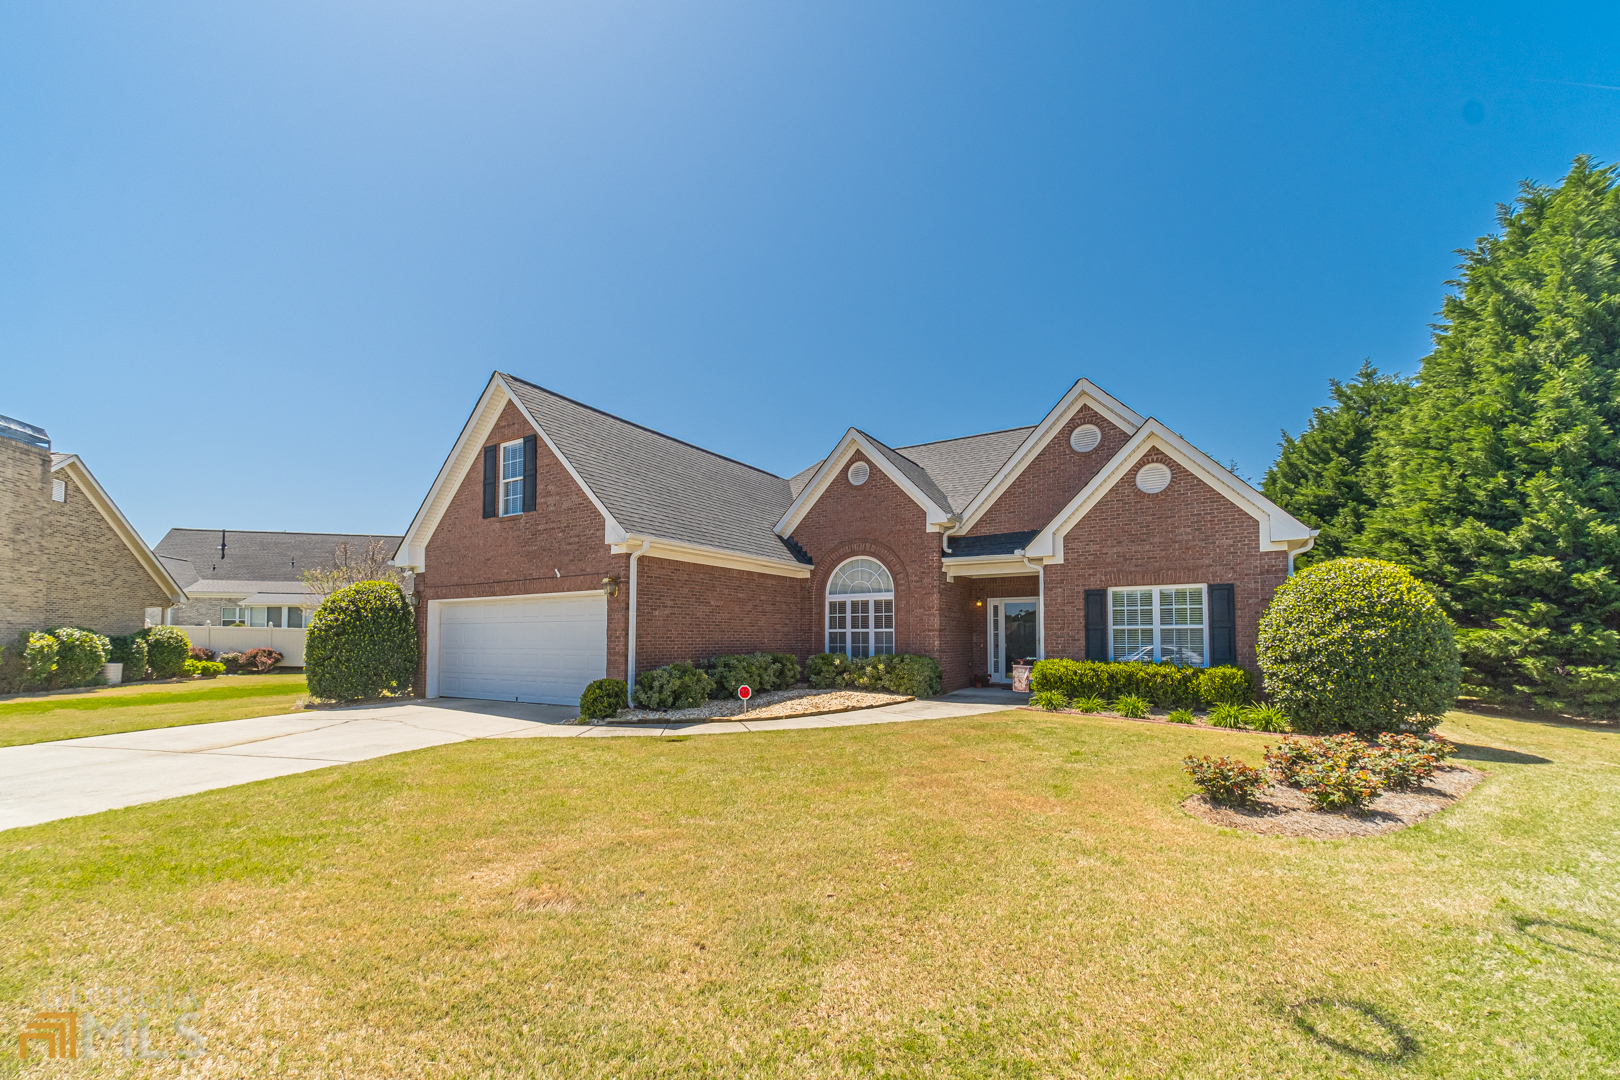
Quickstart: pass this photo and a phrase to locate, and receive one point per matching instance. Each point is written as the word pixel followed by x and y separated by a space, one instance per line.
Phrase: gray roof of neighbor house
pixel 951 471
pixel 656 485
pixel 258 558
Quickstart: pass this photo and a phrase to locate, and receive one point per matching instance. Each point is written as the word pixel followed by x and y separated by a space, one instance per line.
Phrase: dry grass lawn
pixel 1013 895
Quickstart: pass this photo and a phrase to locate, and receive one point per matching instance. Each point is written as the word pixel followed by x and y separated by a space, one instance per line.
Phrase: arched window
pixel 860 609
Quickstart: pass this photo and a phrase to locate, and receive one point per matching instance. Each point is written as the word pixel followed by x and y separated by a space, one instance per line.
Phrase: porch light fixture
pixel 978 603
pixel 610 586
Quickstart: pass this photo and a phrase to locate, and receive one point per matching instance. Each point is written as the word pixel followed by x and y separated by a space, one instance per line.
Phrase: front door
pixel 1013 634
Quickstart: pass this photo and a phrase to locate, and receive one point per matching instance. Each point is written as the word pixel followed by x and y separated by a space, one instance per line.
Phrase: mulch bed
pixel 774 705
pixel 1285 811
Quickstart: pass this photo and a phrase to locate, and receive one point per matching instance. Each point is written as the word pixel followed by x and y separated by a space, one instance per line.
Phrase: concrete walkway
pixel 46 781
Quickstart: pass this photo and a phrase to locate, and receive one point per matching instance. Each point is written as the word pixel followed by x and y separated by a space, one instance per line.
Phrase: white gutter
pixel 630 657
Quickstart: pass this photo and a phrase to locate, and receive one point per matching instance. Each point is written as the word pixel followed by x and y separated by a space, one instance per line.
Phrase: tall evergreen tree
pixel 1330 477
pixel 1502 475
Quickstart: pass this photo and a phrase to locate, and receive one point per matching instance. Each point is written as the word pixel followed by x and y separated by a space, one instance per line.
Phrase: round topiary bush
pixel 167 650
pixel 602 699
pixel 1358 643
pixel 361 643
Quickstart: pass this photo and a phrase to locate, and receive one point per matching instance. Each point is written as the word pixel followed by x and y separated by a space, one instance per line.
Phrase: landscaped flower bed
pixel 774 705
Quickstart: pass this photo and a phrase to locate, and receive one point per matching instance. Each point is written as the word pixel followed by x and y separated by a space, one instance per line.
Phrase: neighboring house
pixel 251 578
pixel 69 556
pixel 560 544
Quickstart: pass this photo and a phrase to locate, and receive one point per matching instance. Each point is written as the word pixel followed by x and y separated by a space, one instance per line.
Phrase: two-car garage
pixel 538 648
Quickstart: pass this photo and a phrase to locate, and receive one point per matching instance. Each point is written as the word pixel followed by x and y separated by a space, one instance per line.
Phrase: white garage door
pixel 541 649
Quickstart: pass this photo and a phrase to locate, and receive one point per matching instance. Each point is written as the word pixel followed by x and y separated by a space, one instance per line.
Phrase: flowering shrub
pixel 1358 643
pixel 39 658
pixel 1343 772
pixel 1225 780
pixel 1050 700
pixel 1132 706
pixel 1334 785
pixel 258 661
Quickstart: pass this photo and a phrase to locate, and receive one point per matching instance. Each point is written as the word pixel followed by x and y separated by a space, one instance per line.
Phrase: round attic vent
pixel 858 473
pixel 1085 438
pixel 1153 478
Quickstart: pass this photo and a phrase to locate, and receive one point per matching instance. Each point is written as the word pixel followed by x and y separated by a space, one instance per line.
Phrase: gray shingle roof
pixel 657 485
pixel 258 557
pixel 961 467
pixel 914 472
pixel 967 547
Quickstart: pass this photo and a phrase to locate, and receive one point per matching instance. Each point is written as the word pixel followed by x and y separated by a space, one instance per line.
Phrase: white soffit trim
pixel 1083 392
pixel 680 551
pixel 986 566
pixel 1278 530
pixel 412 552
pixel 833 467
pixel 109 511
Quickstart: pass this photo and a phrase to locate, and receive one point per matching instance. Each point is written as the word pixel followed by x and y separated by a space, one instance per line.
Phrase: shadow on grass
pixel 1355 1028
pixel 1470 752
pixel 1569 937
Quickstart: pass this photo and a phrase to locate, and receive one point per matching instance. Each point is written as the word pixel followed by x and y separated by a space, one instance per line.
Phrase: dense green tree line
pixel 1494 476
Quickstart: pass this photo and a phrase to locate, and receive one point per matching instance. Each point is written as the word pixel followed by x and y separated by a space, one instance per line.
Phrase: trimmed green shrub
pixel 1225 685
pixel 361 643
pixel 79 656
pixel 258 661
pixel 1050 700
pixel 167 649
pixel 1180 716
pixel 1164 685
pixel 1359 643
pixel 757 670
pixel 204 667
pixel 129 650
pixel 39 659
pixel 1225 780
pixel 1087 704
pixel 673 686
pixel 827 671
pixel 1266 718
pixel 1132 706
pixel 787 670
pixel 602 700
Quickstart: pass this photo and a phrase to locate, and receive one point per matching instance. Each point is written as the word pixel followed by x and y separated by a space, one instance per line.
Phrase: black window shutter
pixel 489 481
pixel 1096 624
pixel 1222 625
pixel 528 473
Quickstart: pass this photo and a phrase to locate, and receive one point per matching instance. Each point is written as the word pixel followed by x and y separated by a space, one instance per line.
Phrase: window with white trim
pixel 512 478
pixel 860 609
pixel 1162 622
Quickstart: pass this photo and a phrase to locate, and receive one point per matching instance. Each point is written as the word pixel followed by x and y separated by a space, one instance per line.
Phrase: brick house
pixel 71 558
pixel 560 544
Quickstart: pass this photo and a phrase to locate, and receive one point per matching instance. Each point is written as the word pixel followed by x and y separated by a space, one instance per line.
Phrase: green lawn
pixel 111 709
pixel 1015 895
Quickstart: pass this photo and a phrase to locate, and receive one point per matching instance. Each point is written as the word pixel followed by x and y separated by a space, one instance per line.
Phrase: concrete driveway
pixel 46 781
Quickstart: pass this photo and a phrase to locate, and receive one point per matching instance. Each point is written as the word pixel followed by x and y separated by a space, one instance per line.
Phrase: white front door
pixel 544 649
pixel 1014 633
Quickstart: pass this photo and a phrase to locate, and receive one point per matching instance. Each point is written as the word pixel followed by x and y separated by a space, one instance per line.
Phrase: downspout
pixel 1040 607
pixel 630 651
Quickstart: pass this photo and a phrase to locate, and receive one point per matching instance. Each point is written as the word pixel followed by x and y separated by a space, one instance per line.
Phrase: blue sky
pixel 257 261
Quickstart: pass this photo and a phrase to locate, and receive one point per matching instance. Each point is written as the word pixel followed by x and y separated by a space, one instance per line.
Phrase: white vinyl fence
pixel 223 639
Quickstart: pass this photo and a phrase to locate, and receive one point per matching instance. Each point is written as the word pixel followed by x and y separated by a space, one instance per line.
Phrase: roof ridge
pixel 959 438
pixel 279 532
pixel 642 427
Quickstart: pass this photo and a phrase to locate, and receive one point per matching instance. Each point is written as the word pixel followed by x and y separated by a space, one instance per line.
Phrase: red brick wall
pixel 555 548
pixel 686 611
pixel 1186 534
pixel 880 521
pixel 1055 476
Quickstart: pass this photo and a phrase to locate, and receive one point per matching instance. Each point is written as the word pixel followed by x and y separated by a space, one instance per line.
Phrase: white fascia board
pixel 985 566
pixel 680 551
pixel 412 551
pixel 109 511
pixel 938 516
pixel 1278 530
pixel 1083 392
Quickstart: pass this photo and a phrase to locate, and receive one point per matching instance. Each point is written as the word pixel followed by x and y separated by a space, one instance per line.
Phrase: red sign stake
pixel 745 693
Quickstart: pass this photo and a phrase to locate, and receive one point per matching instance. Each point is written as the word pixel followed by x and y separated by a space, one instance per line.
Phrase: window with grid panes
pixel 512 478
pixel 1166 622
pixel 860 609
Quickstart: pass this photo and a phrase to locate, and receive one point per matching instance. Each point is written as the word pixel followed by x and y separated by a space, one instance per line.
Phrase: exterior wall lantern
pixel 610 586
